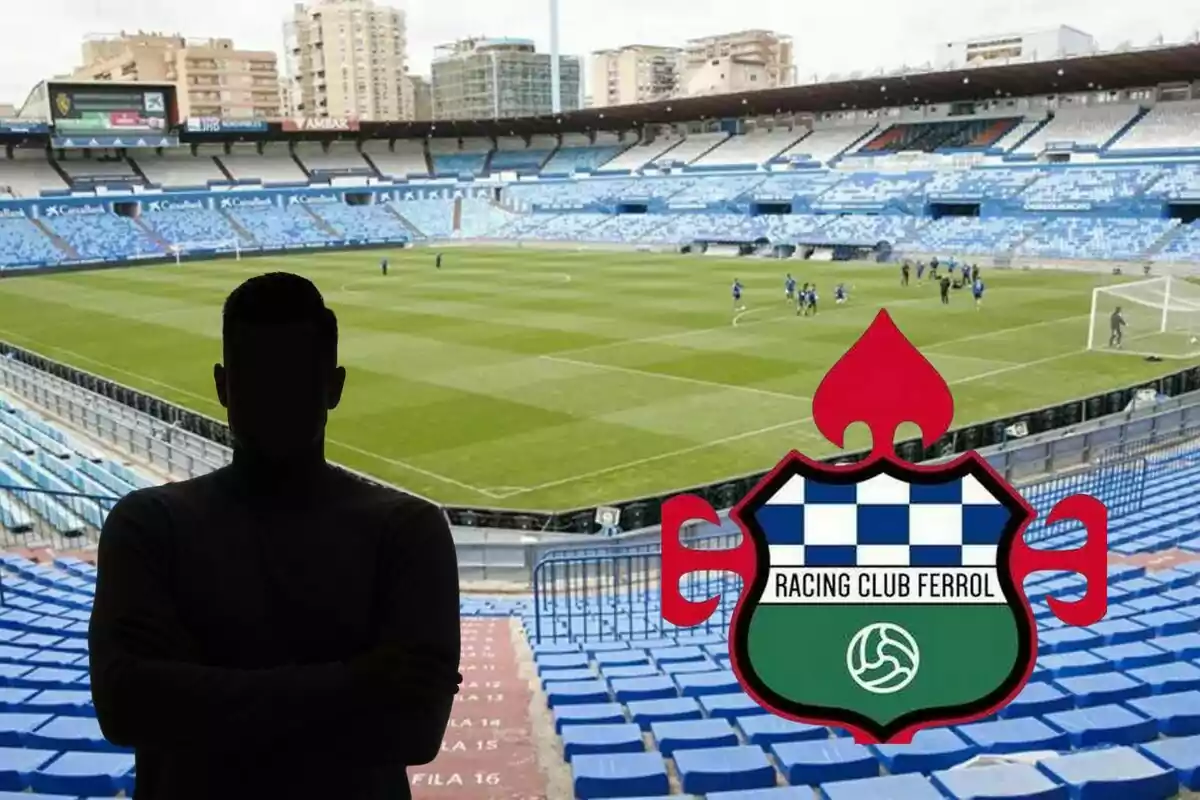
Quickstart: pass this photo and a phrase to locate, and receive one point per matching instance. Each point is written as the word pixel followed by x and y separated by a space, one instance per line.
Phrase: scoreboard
pixel 91 109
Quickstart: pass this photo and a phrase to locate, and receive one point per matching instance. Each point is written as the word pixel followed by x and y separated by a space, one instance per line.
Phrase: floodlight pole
pixel 555 77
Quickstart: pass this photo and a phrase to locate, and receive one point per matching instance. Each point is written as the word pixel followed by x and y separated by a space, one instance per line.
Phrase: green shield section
pixel 800 652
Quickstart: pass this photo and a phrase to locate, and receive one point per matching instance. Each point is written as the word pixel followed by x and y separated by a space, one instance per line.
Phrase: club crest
pixel 883 597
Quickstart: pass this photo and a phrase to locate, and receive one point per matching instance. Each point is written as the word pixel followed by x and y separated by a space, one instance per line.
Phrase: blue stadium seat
pixel 777 793
pixel 577 693
pixel 828 761
pixel 1067 640
pixel 1169 623
pixel 647 712
pixel 1179 676
pixel 1067 665
pixel 933 749
pixel 659 687
pixel 15 729
pixel 591 739
pixel 551 676
pixel 1112 774
pixel 707 683
pixel 598 714
pixel 1099 690
pixel 1120 631
pixel 1180 755
pixel 674 655
pixel 621 658
pixel 765 730
pixel 1100 725
pixel 724 769
pixel 1001 781
pixel 18 765
pixel 573 661
pixel 619 775
pixel 1175 714
pixel 1132 654
pixel 1035 699
pixel 636 671
pixel 692 668
pixel 49 678
pixel 1013 736
pixel 89 774
pixel 72 733
pixel 693 734
pixel 730 706
pixel 59 701
pixel 888 787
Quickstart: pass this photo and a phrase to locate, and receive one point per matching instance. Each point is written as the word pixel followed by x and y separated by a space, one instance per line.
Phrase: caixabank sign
pixel 61 206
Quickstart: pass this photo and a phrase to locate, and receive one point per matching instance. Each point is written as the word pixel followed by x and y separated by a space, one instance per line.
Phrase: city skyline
pixel 42 40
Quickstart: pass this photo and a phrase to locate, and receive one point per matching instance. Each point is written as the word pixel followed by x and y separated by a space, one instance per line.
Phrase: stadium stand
pixel 103 237
pixel 87 172
pixel 799 188
pixel 979 184
pixel 644 152
pixel 824 145
pixel 1096 238
pixel 1018 134
pixel 22 244
pixel 867 229
pixel 751 149
pixel 1183 247
pixel 1090 186
pixel 973 133
pixel 180 226
pixel 970 235
pixel 1169 127
pixel 333 158
pixel 871 190
pixel 696 191
pixel 372 223
pixel 514 153
pixel 1080 127
pixel 273 165
pixel 692 147
pixel 451 159
pixel 281 227
pixel 401 158
pixel 177 168
pixel 436 218
pixel 28 172
pixel 578 153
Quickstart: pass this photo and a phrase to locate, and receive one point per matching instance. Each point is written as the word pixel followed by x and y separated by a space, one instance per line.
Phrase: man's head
pixel 280 377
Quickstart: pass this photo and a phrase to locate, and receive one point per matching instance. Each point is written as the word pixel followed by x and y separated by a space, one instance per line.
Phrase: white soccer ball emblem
pixel 883 658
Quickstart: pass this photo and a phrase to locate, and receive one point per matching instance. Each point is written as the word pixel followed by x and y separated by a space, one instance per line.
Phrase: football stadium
pixel 555 324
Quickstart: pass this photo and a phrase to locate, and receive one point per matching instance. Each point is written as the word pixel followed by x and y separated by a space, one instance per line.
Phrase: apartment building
pixel 212 77
pixel 738 62
pixel 422 94
pixel 636 73
pixel 496 78
pixel 348 59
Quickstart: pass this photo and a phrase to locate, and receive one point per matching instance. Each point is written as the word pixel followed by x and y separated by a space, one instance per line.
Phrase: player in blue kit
pixel 737 296
pixel 383 266
pixel 802 300
pixel 920 271
pixel 977 291
pixel 789 287
pixel 812 299
pixel 839 293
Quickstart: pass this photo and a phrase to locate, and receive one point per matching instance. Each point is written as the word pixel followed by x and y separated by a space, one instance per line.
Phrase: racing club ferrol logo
pixel 883 597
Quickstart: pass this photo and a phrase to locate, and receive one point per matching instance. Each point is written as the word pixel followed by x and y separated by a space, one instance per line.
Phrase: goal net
pixel 1162 318
pixel 180 249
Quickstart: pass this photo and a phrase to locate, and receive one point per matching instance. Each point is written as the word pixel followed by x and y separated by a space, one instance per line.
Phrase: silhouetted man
pixel 277 628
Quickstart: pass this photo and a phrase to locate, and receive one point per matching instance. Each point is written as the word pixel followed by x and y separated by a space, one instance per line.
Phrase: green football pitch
pixel 552 379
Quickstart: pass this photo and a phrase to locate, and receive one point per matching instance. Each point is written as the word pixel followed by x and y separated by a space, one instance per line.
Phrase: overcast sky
pixel 40 38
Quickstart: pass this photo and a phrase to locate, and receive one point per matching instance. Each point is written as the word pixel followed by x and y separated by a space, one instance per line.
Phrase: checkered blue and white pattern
pixel 883 522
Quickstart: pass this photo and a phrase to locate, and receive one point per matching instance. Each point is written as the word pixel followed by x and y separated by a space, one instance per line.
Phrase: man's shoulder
pixel 386 501
pixel 166 496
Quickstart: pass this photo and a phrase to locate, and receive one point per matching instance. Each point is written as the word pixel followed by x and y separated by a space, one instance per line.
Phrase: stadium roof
pixel 1120 70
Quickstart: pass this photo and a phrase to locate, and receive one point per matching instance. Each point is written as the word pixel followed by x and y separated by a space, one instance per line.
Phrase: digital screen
pixel 110 109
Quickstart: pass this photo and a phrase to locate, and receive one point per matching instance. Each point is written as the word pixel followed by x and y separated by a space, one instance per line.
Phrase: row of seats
pixel 53 482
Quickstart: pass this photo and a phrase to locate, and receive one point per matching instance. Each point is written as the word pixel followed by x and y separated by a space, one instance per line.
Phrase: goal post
pixel 180 249
pixel 1162 318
